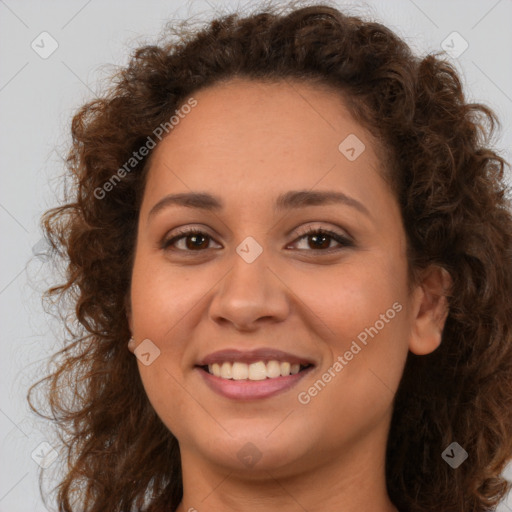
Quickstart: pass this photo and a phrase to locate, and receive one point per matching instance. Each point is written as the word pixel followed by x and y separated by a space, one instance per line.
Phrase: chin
pixel 253 450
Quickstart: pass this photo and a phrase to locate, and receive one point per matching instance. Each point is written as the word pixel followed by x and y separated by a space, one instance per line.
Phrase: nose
pixel 251 294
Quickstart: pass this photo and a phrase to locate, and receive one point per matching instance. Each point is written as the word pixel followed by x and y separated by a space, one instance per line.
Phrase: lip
pixel 246 390
pixel 253 356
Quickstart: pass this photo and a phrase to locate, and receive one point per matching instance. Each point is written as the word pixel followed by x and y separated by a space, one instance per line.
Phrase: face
pixel 296 263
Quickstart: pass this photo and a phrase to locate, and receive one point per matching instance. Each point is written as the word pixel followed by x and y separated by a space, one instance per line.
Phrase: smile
pixel 253 374
pixel 259 370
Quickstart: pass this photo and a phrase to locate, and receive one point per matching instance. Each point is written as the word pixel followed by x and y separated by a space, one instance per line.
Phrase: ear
pixel 430 310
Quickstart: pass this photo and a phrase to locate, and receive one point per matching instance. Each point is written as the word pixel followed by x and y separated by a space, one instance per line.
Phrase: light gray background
pixel 37 100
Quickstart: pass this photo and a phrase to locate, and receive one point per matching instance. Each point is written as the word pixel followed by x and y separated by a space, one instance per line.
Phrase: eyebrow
pixel 293 199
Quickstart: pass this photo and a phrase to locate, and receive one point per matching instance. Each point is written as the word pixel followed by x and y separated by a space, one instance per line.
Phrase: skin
pixel 247 142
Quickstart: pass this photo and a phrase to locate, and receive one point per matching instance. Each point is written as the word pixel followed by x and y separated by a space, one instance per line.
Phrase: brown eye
pixel 317 240
pixel 321 239
pixel 193 241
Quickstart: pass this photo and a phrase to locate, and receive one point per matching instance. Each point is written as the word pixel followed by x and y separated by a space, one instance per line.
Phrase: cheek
pixel 366 346
pixel 162 302
pixel 363 310
pixel 161 297
pixel 352 298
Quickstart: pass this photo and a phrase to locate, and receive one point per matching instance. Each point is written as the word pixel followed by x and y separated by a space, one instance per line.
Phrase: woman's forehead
pixel 269 133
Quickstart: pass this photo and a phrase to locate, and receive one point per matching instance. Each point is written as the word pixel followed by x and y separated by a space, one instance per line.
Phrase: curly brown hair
pixel 456 211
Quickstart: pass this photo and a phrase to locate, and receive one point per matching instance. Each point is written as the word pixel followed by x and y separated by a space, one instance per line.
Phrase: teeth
pixel 273 369
pixel 239 371
pixel 254 371
pixel 257 371
pixel 225 370
pixel 285 369
pixel 215 369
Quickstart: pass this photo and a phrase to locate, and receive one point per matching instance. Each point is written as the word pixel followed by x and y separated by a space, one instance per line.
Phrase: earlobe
pixel 131 345
pixel 430 310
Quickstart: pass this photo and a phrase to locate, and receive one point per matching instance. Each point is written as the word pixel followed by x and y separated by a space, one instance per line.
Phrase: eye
pixel 322 238
pixel 198 240
pixel 195 240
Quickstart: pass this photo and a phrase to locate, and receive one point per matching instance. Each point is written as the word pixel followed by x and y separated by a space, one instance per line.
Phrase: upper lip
pixel 252 356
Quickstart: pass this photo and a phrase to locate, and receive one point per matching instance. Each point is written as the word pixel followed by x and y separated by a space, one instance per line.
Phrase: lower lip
pixel 251 389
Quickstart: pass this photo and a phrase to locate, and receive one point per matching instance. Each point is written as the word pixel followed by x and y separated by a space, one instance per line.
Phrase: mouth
pixel 257 371
pixel 252 375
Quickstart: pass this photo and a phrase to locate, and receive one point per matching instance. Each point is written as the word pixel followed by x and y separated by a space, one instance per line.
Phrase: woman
pixel 289 252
